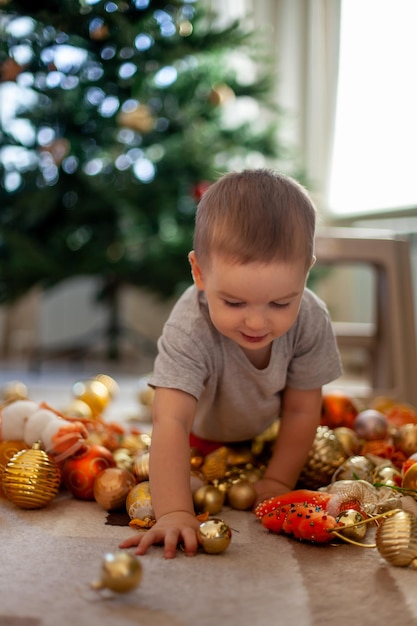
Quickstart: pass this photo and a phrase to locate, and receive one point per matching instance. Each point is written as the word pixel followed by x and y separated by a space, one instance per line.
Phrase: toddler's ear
pixel 196 270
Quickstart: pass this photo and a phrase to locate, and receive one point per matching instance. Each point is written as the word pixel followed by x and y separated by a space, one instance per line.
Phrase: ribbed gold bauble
pixel 110 383
pixel 121 572
pixel 325 456
pixel 141 466
pixel 396 539
pixel 31 479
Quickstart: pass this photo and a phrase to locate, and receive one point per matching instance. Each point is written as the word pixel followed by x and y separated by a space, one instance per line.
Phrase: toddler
pixel 246 344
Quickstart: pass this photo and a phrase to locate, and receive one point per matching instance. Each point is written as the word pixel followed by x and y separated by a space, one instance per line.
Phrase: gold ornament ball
pixel 123 459
pixel 120 571
pixel 112 486
pixel 349 440
pixel 94 393
pixel 214 536
pixel 208 499
pixel 31 479
pixel 356 467
pixel 405 439
pixel 146 396
pixel 110 383
pixel 396 539
pixel 350 518
pixel 139 502
pixel 386 474
pixel 78 408
pixel 241 495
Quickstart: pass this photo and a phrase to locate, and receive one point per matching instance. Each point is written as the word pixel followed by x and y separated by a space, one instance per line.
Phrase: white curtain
pixel 303 39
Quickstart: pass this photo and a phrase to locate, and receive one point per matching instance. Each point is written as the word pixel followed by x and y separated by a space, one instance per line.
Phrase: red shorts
pixel 205 446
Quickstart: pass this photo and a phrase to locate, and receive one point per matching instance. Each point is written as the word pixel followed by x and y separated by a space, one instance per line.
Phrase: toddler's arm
pixel 300 417
pixel 169 468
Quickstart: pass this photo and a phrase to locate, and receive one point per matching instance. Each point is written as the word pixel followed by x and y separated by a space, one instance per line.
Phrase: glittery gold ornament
pixel 31 479
pixel 111 487
pixel 120 572
pixel 326 455
pixel 7 451
pixel 396 539
pixel 94 393
pixel 360 490
pixel 241 495
pixel 141 466
pixel 215 464
pixel 139 502
pixel 208 499
pixel 214 536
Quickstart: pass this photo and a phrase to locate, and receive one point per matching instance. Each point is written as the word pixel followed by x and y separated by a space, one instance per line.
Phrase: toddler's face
pixel 252 304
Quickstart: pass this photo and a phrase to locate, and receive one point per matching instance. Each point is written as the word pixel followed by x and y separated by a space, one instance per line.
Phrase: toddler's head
pixel 256 216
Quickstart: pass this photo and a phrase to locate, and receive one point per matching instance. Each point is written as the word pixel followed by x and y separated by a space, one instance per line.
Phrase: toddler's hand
pixel 170 530
pixel 268 488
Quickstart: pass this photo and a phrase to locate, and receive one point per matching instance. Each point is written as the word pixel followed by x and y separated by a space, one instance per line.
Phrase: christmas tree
pixel 125 111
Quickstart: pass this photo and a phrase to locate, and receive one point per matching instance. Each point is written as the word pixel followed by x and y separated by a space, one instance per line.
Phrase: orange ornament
pixel 79 471
pixel 338 409
pixel 400 414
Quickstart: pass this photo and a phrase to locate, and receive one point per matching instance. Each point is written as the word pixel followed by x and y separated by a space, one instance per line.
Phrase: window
pixel 374 164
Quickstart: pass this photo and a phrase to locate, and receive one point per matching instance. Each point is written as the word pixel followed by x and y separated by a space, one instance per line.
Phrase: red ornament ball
pixel 80 471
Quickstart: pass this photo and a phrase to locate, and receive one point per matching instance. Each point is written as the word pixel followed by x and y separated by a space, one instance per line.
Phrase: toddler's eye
pixel 233 304
pixel 279 305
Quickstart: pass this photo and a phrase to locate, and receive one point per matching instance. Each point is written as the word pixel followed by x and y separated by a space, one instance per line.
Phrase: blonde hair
pixel 255 216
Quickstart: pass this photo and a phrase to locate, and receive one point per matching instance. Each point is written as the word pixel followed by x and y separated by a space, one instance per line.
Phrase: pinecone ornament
pixel 325 456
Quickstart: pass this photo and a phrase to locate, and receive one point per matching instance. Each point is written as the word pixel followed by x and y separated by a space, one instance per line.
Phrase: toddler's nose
pixel 255 321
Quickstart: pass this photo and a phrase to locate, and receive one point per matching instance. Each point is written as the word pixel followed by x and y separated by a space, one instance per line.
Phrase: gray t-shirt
pixel 237 401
